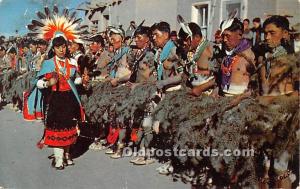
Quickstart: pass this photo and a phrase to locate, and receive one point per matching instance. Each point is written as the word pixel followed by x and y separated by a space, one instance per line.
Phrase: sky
pixel 16 14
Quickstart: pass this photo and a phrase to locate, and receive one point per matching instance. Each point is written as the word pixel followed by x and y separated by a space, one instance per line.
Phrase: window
pixel 230 5
pixel 200 15
pixel 203 18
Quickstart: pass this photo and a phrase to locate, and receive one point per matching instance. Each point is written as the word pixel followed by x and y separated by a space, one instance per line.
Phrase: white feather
pixel 226 24
pixel 185 27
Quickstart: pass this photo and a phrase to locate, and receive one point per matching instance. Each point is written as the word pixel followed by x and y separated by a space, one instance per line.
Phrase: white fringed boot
pixel 58 154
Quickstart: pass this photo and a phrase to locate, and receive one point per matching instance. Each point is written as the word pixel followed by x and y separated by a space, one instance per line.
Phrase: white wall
pixel 289 7
pixel 261 8
pixel 157 10
pixel 123 13
pixel 150 10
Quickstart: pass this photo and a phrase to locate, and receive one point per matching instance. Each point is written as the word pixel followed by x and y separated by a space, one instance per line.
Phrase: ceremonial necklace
pixel 231 58
pixel 277 52
pixel 63 71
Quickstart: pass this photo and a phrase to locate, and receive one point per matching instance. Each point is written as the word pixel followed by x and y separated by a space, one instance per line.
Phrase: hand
pixel 114 82
pixel 128 84
pixel 239 98
pixel 194 92
pixel 85 79
pixel 156 127
pixel 51 82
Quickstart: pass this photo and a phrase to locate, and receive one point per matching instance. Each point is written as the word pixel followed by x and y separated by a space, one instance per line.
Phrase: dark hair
pixel 12 50
pixel 32 42
pixel 143 30
pixel 59 41
pixel 256 20
pixel 247 20
pixel 98 39
pixel 26 44
pixel 161 26
pixel 236 25
pixel 173 33
pixel 81 48
pixel 127 38
pixel 279 21
pixel 56 42
pixel 2 48
pixel 195 29
pixel 42 42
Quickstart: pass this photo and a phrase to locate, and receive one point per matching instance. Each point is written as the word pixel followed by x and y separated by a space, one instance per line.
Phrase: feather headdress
pixel 227 23
pixel 50 25
pixel 185 27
